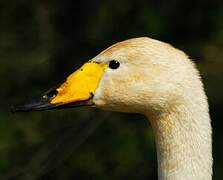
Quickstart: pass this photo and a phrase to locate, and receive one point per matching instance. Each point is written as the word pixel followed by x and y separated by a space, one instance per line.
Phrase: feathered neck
pixel 184 140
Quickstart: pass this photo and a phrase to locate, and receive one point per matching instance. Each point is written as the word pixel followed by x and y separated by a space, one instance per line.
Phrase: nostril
pixel 51 94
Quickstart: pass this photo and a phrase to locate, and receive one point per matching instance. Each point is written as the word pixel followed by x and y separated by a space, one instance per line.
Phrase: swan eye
pixel 113 64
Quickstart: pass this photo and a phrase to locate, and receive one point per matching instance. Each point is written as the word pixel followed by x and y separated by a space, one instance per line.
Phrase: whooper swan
pixel 146 76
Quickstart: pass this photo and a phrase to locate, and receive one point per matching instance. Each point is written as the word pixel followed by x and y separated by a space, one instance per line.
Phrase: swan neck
pixel 184 143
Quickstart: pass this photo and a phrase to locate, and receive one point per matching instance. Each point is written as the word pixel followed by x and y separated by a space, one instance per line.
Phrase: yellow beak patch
pixel 80 85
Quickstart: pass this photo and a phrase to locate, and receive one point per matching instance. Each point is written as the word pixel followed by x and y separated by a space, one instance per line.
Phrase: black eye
pixel 113 64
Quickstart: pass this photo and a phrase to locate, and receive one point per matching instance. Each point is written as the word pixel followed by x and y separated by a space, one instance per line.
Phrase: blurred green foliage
pixel 41 42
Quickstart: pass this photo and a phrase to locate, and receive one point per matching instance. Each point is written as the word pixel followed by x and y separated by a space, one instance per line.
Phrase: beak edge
pixel 42 104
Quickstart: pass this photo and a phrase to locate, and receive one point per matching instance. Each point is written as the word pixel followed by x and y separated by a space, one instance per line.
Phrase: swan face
pixel 135 75
pixel 149 76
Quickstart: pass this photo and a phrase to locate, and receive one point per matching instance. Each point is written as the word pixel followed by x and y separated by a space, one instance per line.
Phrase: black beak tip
pixel 43 103
pixel 34 104
pixel 37 103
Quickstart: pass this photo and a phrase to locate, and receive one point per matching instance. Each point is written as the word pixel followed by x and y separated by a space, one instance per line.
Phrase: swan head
pixel 135 75
pixel 150 76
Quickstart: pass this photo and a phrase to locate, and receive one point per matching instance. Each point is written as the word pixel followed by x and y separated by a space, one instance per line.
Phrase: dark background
pixel 41 42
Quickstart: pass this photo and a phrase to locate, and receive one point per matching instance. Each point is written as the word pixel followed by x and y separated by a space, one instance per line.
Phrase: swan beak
pixel 77 90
